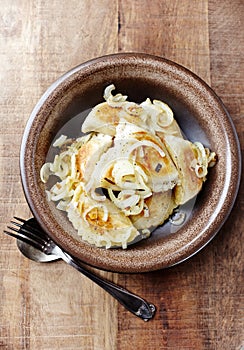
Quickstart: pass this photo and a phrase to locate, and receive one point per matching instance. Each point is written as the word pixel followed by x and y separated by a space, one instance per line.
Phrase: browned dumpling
pixel 89 153
pixel 101 223
pixel 161 171
pixel 104 118
pixel 160 207
pixel 182 153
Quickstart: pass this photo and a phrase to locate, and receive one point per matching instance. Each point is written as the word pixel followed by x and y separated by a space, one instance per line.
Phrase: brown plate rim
pixel 136 264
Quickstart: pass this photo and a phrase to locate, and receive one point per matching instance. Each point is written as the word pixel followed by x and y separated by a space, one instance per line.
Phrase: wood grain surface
pixel 51 306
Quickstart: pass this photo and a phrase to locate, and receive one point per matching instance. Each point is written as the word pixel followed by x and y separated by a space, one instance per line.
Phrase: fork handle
pixel 135 304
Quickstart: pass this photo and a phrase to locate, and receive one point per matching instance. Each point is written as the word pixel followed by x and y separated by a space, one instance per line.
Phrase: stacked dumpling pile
pixel 127 175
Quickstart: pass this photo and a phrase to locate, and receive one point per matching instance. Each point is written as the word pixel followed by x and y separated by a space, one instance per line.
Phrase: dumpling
pixel 185 158
pixel 101 223
pixel 89 153
pixel 104 118
pixel 143 150
pixel 125 178
pixel 160 118
pixel 159 206
pixel 153 156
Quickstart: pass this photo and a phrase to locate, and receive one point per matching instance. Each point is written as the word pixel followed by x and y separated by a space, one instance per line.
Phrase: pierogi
pixel 128 173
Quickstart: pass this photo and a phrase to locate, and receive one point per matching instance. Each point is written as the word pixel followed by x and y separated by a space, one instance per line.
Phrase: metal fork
pixel 30 232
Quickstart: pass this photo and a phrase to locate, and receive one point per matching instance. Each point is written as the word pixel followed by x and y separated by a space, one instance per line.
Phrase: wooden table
pixel 200 302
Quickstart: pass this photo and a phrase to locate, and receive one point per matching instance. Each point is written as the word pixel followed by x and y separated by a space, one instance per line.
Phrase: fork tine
pixel 23 238
pixel 33 225
pixel 13 228
pixel 10 234
pixel 30 233
pixel 16 223
pixel 21 220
